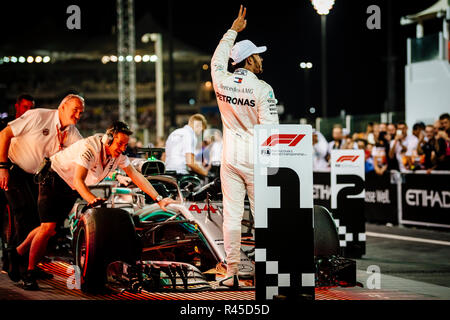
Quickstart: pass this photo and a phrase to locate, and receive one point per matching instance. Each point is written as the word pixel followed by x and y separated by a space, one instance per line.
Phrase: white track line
pixel 396 237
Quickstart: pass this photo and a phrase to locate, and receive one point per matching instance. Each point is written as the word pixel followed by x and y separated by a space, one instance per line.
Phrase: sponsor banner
pixel 381 199
pixel 426 199
pixel 380 196
pixel 347 200
pixel 322 189
pixel 283 211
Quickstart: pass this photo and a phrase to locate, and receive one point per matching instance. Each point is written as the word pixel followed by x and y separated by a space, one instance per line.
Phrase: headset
pixel 117 127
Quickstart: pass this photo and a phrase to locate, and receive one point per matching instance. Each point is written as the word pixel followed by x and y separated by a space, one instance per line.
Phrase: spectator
pixel 426 149
pixel 320 147
pixel 391 130
pixel 372 136
pixel 368 160
pixel 402 146
pixel 349 143
pixel 444 120
pixel 379 154
pixel 436 126
pixel 443 144
pixel 369 130
pixel 418 132
pixel 338 140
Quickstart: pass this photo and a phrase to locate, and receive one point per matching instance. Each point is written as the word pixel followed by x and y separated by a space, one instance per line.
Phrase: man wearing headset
pixel 72 170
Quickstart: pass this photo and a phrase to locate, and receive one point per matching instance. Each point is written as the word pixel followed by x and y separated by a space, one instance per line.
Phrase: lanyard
pixel 102 158
pixel 61 137
pixel 107 163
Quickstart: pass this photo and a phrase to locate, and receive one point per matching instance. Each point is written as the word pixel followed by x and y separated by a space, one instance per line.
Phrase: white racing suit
pixel 243 101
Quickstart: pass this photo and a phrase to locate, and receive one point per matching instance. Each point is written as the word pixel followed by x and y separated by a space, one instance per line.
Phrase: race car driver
pixel 180 147
pixel 72 170
pixel 243 101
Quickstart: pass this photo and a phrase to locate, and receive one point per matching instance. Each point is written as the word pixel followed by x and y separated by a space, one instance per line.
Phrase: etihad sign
pixel 427 198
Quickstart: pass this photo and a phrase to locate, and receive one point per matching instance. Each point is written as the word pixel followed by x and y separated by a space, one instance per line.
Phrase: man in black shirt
pixel 23 103
pixel 443 143
pixel 427 148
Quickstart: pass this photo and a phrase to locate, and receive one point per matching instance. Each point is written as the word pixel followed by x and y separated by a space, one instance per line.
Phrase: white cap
pixel 244 49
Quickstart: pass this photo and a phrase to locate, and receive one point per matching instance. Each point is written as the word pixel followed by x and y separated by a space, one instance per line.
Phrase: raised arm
pixel 219 62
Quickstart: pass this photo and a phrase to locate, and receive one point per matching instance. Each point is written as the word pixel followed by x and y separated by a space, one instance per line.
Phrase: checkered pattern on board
pixel 345 236
pixel 281 279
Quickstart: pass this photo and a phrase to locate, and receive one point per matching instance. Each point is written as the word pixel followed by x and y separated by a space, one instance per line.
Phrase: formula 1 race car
pixel 130 243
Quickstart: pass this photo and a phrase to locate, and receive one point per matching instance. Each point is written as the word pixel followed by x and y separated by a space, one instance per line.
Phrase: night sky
pixel 356 56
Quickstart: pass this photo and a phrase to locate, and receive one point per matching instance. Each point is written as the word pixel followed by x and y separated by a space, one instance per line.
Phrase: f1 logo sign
pixel 347 158
pixel 290 139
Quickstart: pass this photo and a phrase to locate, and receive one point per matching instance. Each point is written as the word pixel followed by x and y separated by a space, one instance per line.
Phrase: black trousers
pixel 56 199
pixel 22 198
pixel 4 228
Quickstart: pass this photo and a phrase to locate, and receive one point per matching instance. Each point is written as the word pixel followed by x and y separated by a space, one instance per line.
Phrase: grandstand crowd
pixel 387 146
pixel 391 146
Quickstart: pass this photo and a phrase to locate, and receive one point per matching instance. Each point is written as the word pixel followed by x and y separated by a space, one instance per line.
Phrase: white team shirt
pixel 36 137
pixel 89 153
pixel 215 153
pixel 180 142
pixel 332 147
pixel 410 143
pixel 320 150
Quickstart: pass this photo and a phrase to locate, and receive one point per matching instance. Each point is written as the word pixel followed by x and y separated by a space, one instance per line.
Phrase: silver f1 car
pixel 129 243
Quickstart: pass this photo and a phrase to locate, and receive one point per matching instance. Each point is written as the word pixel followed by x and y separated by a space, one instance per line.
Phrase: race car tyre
pixel 105 235
pixel 326 238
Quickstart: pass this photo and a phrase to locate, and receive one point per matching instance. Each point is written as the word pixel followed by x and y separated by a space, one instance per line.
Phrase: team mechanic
pixel 24 143
pixel 244 101
pixel 180 147
pixel 86 162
